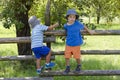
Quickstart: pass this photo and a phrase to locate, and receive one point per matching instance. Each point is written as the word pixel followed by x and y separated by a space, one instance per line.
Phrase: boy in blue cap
pixel 73 39
pixel 37 43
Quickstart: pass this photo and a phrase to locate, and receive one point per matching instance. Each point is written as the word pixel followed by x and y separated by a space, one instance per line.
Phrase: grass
pixel 108 26
pixel 89 62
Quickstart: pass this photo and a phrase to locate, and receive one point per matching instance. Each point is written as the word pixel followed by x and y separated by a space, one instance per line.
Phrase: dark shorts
pixel 41 51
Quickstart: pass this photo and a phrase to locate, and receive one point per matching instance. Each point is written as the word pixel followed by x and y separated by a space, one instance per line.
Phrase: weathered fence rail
pixel 24 40
pixel 20 57
pixel 96 32
pixel 92 52
pixel 56 33
pixel 28 78
pixel 60 73
pixel 83 73
pixel 83 52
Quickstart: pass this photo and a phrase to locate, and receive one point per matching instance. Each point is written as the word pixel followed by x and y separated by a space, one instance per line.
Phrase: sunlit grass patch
pixel 8 49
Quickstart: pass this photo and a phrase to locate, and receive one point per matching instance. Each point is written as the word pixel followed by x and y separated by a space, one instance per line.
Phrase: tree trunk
pixel 89 19
pixel 24 48
pixel 98 14
pixel 47 18
pixel 47 21
pixel 98 18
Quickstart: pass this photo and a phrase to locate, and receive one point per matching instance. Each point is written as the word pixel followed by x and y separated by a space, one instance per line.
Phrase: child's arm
pixel 53 26
pixel 89 31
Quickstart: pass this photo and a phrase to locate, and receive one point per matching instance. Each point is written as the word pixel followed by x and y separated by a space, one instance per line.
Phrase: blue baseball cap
pixel 72 11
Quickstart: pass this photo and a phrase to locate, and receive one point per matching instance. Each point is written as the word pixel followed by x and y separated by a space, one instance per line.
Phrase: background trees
pixel 15 13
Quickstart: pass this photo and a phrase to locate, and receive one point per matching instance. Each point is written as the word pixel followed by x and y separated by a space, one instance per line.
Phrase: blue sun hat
pixel 33 21
pixel 72 11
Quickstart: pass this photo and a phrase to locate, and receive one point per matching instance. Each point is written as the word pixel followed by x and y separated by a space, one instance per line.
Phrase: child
pixel 37 43
pixel 73 39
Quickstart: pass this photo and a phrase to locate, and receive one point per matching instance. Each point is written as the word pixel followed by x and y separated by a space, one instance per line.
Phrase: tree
pixel 15 13
pixel 113 10
pixel 98 8
pixel 58 10
pixel 47 17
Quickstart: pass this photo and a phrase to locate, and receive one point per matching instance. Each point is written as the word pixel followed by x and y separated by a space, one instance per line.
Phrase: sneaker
pixel 40 70
pixel 67 70
pixel 78 69
pixel 49 65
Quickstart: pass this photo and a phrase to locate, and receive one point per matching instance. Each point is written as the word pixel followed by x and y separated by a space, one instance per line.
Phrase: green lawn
pixel 89 62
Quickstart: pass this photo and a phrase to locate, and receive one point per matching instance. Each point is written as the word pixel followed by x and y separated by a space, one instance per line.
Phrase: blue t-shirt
pixel 74 37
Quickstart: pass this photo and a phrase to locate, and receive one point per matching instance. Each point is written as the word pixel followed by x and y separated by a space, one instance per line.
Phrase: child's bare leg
pixel 78 61
pixel 67 70
pixel 78 67
pixel 67 61
pixel 48 57
pixel 38 63
pixel 49 64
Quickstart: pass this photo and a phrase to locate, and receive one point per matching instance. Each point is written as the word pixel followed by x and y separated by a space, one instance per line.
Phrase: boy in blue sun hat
pixel 37 46
pixel 73 39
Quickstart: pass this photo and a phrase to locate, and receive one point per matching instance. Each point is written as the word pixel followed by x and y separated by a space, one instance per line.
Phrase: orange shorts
pixel 72 50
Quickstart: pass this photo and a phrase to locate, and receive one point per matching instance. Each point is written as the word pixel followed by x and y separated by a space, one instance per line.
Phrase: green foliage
pixel 58 11
pixel 91 26
pixel 107 8
pixel 0 6
pixel 11 12
pixel 38 9
pixel 99 8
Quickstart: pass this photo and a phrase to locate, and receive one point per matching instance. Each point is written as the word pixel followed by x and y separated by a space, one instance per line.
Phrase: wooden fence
pixel 59 73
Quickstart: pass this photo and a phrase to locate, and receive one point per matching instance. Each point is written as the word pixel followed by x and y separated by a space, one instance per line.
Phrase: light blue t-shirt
pixel 74 37
pixel 37 35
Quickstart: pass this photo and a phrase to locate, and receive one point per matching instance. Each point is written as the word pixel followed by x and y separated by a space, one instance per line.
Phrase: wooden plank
pixel 83 73
pixel 92 52
pixel 21 57
pixel 28 78
pixel 101 52
pixel 24 40
pixel 96 32
pixel 56 33
pixel 83 52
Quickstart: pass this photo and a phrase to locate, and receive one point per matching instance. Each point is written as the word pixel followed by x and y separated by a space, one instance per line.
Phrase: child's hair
pixel 72 11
